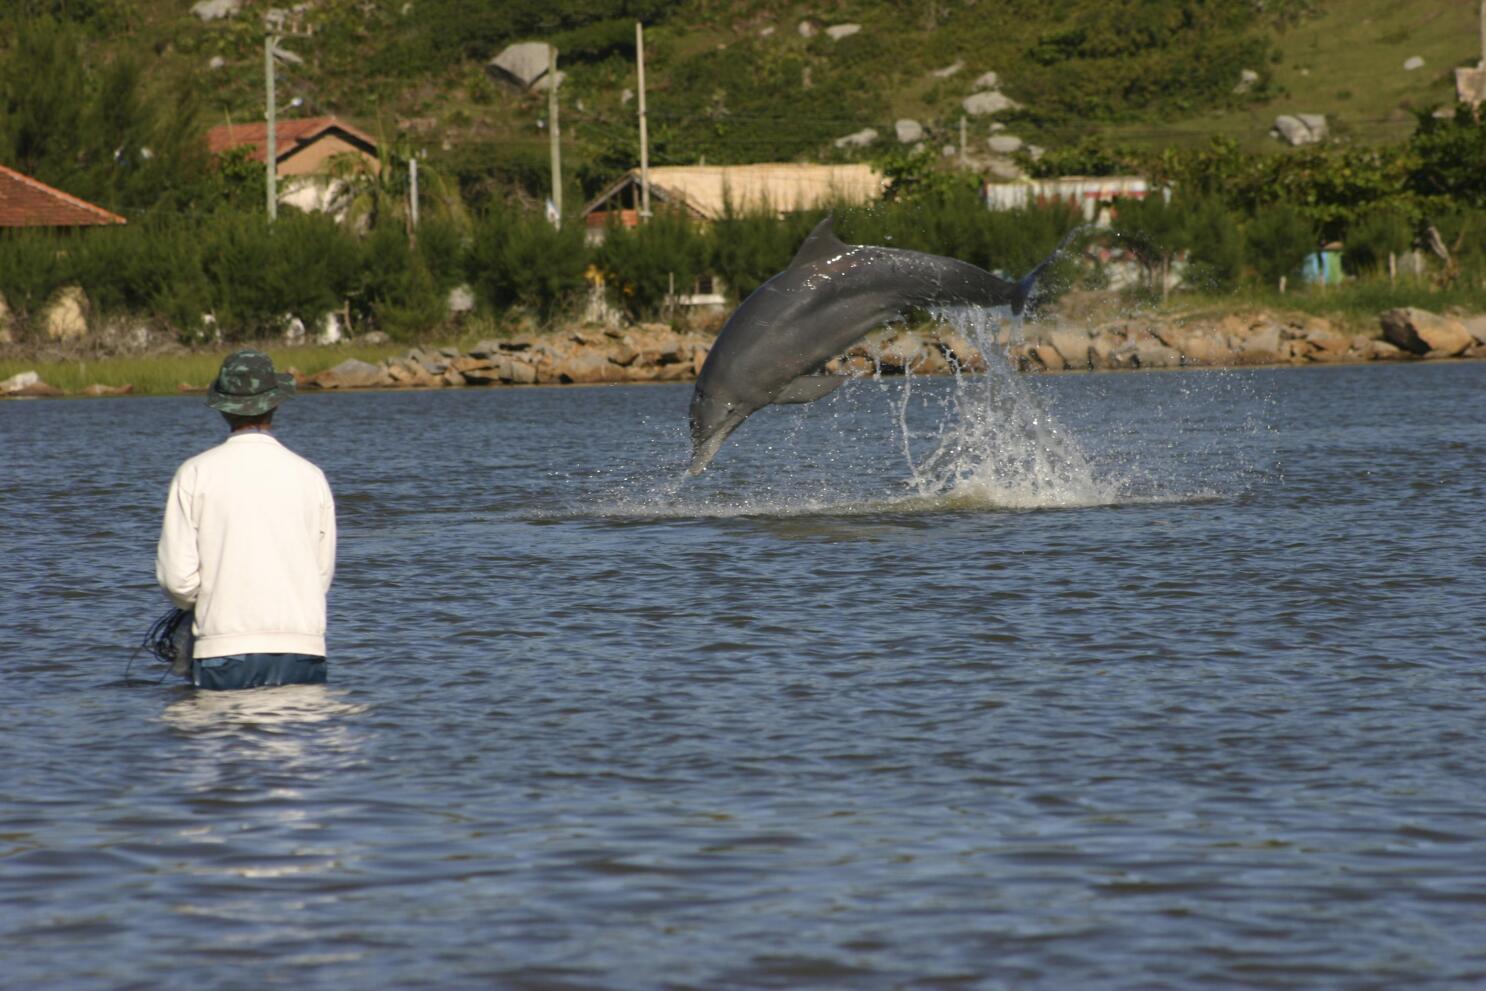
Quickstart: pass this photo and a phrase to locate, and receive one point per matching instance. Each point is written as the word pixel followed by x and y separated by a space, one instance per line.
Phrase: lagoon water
pixel 1165 680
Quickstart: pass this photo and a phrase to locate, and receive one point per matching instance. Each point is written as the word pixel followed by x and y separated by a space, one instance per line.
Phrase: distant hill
pixel 757 80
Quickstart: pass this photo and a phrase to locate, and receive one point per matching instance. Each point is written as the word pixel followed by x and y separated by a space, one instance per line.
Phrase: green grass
pixel 1354 304
pixel 1346 63
pixel 163 375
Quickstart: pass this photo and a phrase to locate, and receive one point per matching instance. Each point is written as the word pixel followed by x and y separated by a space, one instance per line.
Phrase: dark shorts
pixel 257 670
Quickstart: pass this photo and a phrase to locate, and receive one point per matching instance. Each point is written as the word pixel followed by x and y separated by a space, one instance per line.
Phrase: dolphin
pixel 773 346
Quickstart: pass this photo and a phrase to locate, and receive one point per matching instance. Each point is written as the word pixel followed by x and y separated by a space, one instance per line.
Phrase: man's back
pixel 249 540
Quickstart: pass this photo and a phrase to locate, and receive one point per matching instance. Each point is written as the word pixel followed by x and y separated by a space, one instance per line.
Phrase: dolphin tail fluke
pixel 1027 284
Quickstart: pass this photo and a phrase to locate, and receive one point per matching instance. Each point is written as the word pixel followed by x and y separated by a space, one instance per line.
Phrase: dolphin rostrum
pixel 773 346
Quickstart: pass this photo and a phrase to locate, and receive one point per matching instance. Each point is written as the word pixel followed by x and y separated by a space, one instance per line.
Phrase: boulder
pixel 66 317
pixel 1297 351
pixel 1004 144
pixel 1412 63
pixel 860 139
pixel 1476 325
pixel 1301 129
pixel 1102 347
pixel 351 374
pixel 808 29
pixel 1072 346
pixel 25 385
pixel 908 130
pixel 839 31
pixel 1048 357
pixel 411 374
pixel 522 64
pixel 1384 351
pixel 988 80
pixel 1147 351
pixel 375 337
pixel 1260 345
pixel 1247 80
pixel 99 389
pixel 1203 346
pixel 212 10
pixel 1328 345
pixel 948 70
pixel 1004 168
pixel 461 299
pixel 1421 332
pixel 988 102
pixel 18 381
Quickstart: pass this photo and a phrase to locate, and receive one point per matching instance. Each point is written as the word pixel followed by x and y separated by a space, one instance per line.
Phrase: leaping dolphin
pixel 773 346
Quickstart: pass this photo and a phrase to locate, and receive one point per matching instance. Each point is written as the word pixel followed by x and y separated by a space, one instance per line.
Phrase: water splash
pixel 995 443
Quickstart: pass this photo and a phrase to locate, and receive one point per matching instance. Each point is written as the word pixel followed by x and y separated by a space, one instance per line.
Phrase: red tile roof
pixel 291 135
pixel 25 202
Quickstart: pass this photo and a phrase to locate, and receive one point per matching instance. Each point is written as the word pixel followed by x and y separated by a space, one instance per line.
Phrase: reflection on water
pixel 830 715
pixel 293 725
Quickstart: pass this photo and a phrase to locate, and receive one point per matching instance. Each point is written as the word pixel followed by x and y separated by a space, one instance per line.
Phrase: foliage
pixel 642 263
pixel 750 246
pixel 1215 246
pixel 33 266
pixel 100 131
pixel 1373 238
pixel 518 259
pixel 1090 156
pixel 1451 155
pixel 1278 239
pixel 922 175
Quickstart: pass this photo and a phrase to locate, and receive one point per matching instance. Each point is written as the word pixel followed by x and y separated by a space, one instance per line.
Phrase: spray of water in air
pixel 993 441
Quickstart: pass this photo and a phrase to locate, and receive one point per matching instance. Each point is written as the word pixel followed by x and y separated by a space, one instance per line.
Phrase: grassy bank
pixel 163 375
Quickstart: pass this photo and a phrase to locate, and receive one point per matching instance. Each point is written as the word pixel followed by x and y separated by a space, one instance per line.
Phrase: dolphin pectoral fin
pixel 820 244
pixel 809 388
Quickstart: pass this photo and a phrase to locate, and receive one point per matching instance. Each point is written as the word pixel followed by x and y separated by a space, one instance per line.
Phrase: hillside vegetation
pixel 735 80
pixel 110 99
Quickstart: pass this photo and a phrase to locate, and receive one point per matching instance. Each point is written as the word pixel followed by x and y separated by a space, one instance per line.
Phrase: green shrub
pixel 747 248
pixel 642 263
pixel 517 258
pixel 1371 240
pixel 1278 239
pixel 1215 246
pixel 33 266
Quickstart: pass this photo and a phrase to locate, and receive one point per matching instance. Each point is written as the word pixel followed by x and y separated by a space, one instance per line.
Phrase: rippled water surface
pixel 1105 681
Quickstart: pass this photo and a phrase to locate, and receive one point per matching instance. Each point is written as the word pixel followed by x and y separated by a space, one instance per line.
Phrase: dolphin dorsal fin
pixel 822 243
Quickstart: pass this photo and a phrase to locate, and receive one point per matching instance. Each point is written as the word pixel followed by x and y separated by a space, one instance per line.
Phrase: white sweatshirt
pixel 249 540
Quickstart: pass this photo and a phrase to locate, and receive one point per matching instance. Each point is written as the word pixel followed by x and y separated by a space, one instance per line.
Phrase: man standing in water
pixel 249 541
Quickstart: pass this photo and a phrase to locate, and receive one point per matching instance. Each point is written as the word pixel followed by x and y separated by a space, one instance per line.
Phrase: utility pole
pixel 413 199
pixel 271 162
pixel 644 134
pixel 552 124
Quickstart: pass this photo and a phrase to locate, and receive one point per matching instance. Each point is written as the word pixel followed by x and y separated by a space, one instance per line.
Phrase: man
pixel 249 541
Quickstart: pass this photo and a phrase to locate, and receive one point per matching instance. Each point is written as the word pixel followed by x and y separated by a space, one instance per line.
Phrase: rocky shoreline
pixel 657 353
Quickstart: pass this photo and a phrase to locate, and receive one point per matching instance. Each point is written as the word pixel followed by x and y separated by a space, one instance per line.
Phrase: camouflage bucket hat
pixel 247 385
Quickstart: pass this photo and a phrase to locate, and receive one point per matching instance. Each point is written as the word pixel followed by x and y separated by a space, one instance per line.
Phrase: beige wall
pixel 314 158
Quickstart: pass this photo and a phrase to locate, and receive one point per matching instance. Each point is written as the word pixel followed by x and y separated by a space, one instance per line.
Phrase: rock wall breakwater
pixel 657 353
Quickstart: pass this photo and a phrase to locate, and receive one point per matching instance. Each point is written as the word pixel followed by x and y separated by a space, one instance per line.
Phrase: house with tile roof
pixel 28 202
pixel 302 147
pixel 304 150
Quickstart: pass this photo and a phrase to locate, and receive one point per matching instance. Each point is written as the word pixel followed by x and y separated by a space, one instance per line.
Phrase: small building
pixel 704 192
pixel 1092 194
pixel 304 150
pixel 28 202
